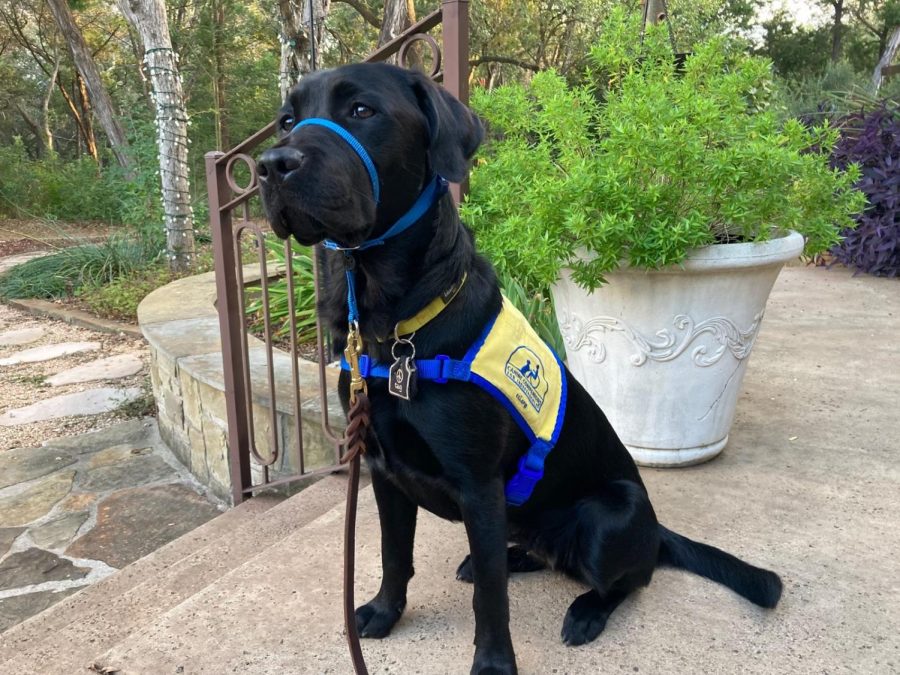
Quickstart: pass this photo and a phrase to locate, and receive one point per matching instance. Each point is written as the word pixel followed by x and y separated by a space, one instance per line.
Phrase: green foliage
pixel 796 51
pixel 279 298
pixel 838 91
pixel 76 190
pixel 665 162
pixel 71 270
pixel 537 308
pixel 120 298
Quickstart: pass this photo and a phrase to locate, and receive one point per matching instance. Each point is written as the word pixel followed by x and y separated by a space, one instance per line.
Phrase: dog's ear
pixel 455 132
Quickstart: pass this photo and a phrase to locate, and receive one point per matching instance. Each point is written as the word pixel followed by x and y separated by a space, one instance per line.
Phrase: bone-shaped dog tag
pixel 402 378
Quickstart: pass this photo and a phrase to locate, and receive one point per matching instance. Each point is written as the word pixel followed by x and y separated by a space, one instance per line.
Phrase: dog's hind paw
pixel 518 560
pixel 374 620
pixel 587 616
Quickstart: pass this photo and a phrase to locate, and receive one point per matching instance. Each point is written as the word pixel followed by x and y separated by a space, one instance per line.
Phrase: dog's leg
pixel 397 515
pixel 484 515
pixel 608 540
pixel 518 561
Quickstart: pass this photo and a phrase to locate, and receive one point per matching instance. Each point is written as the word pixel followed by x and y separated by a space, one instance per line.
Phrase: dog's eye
pixel 286 123
pixel 361 111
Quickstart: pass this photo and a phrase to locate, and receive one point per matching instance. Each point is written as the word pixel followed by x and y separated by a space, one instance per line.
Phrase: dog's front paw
pixel 375 619
pixel 494 664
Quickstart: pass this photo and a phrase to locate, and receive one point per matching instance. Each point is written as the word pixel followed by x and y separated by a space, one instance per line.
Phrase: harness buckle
pixel 444 360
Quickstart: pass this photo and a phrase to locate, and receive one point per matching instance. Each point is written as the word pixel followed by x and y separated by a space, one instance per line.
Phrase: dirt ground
pixel 24 236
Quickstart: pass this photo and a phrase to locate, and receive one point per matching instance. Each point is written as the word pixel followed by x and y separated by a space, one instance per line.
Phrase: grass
pixel 65 273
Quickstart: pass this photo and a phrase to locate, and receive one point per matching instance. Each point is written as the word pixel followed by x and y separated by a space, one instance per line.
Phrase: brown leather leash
pixel 358 420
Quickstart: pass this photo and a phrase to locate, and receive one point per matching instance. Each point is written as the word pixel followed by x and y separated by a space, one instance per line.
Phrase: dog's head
pixel 315 186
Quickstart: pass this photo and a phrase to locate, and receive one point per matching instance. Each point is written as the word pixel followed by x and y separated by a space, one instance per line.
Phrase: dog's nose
pixel 277 163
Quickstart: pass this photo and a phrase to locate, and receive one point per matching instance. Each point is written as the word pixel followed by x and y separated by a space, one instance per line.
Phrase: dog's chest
pixel 410 464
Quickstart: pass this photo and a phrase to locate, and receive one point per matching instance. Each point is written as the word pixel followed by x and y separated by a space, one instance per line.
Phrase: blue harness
pixel 512 364
pixel 442 368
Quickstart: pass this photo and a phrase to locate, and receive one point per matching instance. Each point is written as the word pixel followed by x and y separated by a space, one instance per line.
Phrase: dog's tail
pixel 759 586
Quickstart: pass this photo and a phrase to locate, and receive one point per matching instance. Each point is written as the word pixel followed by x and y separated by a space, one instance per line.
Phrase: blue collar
pixel 436 188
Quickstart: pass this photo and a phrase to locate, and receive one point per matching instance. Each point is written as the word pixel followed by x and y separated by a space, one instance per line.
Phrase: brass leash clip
pixel 352 352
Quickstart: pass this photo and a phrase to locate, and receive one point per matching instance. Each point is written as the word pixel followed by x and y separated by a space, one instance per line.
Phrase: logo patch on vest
pixel 526 371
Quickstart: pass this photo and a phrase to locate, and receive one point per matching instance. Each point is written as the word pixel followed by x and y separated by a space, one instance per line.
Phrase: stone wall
pixel 182 327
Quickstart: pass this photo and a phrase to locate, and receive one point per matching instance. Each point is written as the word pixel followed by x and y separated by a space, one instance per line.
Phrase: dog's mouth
pixel 319 200
pixel 287 221
pixel 310 226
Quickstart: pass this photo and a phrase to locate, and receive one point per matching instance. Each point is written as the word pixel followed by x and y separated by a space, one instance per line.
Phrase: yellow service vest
pixel 512 363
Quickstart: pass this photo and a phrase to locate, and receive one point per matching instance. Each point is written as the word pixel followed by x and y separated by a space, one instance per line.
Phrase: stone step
pixel 281 612
pixel 48 352
pixel 97 626
pixel 21 336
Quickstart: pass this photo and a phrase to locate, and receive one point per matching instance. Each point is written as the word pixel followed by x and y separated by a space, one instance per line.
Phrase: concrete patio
pixel 808 486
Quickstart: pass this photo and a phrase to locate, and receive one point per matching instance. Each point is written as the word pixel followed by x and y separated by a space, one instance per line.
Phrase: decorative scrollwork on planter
pixel 667 345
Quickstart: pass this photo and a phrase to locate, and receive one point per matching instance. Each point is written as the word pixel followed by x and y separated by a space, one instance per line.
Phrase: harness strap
pixel 442 369
pixel 350 139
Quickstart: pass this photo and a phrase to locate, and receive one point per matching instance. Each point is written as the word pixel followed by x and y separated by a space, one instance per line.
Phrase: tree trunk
pixel 398 16
pixel 40 149
pixel 84 62
pixel 90 140
pixel 890 51
pixel 837 30
pixel 148 17
pixel 82 134
pixel 296 58
pixel 218 52
pixel 45 105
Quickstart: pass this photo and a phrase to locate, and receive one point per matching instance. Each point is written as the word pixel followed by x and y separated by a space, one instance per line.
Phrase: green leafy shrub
pixel 120 298
pixel 80 190
pixel 279 303
pixel 646 163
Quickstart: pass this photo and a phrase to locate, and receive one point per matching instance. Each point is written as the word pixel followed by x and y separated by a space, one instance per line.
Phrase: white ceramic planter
pixel 664 352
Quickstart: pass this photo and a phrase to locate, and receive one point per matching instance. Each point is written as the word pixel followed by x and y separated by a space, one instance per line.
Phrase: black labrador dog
pixel 452 447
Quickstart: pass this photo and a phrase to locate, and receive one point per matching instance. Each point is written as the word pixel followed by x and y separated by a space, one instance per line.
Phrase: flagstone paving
pixel 78 508
pixel 119 361
pixel 109 368
pixel 22 336
pixel 91 402
pixel 49 352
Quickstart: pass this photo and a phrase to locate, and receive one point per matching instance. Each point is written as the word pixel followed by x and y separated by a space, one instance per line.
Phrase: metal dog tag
pixel 402 378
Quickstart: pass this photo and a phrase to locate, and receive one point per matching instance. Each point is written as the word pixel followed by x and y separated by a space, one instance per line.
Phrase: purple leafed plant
pixel 872 140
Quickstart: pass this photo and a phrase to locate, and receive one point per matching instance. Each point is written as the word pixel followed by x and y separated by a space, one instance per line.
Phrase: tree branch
pixel 363 11
pixel 859 17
